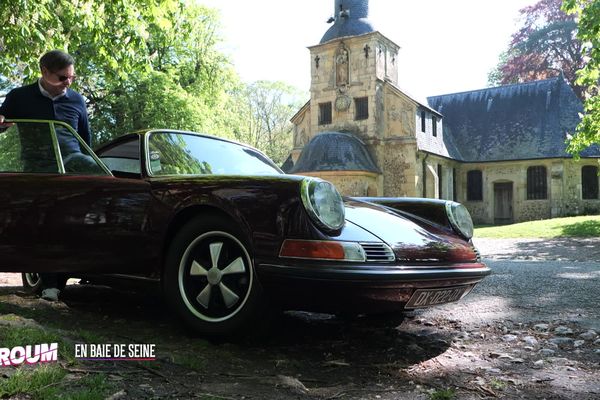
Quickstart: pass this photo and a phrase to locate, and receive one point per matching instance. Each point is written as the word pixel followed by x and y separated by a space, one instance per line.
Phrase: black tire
pixel 33 284
pixel 209 278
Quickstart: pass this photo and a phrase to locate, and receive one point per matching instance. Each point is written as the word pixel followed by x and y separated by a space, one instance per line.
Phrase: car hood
pixel 411 239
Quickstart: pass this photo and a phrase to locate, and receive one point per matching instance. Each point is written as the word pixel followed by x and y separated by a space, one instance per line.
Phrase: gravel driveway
pixel 533 323
pixel 529 330
pixel 562 249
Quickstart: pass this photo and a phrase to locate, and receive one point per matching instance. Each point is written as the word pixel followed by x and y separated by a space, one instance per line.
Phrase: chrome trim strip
pixel 57 153
pixel 378 271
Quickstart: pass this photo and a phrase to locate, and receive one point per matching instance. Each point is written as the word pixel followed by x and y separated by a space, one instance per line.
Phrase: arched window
pixel 474 185
pixel 589 182
pixel 537 186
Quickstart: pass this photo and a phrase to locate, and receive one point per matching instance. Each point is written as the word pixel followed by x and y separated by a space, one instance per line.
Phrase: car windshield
pixel 172 153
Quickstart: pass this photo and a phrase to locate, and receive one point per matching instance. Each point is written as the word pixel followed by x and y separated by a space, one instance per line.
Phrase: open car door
pixel 61 210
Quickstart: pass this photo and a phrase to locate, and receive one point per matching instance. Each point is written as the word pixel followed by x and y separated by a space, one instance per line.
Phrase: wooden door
pixel 503 203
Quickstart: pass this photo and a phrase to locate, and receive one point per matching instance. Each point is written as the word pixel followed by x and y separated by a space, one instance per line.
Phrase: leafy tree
pixel 588 16
pixel 266 111
pixel 106 38
pixel 142 63
pixel 147 64
pixel 544 45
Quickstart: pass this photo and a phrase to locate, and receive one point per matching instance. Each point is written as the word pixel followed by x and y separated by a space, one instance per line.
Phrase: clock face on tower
pixel 342 102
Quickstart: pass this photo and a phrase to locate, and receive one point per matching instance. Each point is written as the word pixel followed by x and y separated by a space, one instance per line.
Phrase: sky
pixel 446 46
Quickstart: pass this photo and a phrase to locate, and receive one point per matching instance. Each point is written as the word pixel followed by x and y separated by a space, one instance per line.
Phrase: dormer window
pixel 434 125
pixel 423 122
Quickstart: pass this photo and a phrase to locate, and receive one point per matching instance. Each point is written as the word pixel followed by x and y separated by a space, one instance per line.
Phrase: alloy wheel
pixel 215 276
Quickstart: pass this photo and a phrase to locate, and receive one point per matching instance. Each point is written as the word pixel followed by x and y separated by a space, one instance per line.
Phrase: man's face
pixel 59 80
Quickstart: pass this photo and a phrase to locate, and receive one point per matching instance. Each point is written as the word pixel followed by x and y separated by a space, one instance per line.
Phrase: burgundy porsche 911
pixel 222 228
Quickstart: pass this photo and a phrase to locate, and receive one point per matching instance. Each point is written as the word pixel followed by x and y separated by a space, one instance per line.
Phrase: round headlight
pixel 323 203
pixel 460 219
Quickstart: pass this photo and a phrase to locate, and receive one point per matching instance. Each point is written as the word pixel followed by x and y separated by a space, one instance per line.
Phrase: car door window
pixel 45 147
pixel 28 147
pixel 123 157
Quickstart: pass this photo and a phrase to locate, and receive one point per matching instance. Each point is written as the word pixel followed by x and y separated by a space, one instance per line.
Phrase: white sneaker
pixel 50 294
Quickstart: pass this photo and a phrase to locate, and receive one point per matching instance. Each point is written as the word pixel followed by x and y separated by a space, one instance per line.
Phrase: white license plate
pixel 431 297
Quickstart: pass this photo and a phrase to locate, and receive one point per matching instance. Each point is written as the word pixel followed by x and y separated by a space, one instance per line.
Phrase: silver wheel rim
pixel 207 284
pixel 32 278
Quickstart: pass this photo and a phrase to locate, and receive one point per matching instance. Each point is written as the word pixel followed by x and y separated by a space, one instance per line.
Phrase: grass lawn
pixel 582 226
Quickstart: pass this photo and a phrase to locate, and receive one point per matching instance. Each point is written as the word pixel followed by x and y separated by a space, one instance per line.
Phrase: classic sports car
pixel 222 228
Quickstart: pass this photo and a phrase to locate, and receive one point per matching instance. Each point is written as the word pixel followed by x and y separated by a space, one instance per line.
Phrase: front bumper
pixel 361 289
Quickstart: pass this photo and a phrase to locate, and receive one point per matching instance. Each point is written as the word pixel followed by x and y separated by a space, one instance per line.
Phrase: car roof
pixel 144 132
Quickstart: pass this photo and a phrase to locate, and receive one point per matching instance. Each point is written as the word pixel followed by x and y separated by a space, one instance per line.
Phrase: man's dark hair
pixel 55 60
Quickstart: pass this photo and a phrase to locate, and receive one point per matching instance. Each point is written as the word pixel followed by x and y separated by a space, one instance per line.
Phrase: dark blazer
pixel 29 102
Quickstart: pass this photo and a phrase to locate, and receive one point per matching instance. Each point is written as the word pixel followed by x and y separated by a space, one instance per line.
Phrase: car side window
pixel 124 157
pixel 45 147
pixel 28 147
pixel 76 158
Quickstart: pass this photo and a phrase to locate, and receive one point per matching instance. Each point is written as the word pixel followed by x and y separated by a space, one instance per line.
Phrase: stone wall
pixel 302 132
pixel 564 197
pixel 351 183
pixel 368 56
pixel 573 203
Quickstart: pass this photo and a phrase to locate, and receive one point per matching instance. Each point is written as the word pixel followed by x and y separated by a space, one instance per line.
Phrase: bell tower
pixel 347 69
pixel 355 104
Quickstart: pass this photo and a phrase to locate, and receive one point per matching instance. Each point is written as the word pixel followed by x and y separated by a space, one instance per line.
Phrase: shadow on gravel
pixel 575 249
pixel 319 351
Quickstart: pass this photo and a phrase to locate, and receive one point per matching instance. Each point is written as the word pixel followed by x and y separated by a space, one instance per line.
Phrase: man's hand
pixel 5 124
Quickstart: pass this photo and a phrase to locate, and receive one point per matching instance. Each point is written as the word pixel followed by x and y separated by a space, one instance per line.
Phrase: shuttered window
pixel 474 185
pixel 537 186
pixel 589 182
pixel 361 105
pixel 324 113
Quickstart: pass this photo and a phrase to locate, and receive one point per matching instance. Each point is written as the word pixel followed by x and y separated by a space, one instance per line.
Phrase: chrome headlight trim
pixel 460 219
pixel 323 203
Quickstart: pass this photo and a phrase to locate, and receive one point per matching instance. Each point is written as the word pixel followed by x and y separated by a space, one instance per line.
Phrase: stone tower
pixel 501 151
pixel 354 77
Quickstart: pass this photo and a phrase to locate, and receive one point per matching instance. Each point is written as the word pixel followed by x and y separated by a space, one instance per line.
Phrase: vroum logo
pixel 30 354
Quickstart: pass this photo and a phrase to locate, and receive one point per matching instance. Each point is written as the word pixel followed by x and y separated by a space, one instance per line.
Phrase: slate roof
pixel 355 22
pixel 333 151
pixel 513 122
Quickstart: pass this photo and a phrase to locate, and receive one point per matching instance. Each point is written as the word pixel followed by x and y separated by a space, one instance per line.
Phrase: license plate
pixel 431 297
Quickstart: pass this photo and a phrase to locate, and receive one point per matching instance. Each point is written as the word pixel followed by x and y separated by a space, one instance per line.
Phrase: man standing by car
pixel 50 98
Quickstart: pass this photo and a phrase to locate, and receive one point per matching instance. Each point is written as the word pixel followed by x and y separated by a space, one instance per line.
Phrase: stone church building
pixel 500 151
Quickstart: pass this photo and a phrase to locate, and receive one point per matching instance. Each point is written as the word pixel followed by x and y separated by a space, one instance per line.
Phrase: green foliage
pixel 37 382
pixel 497 384
pixel 446 394
pixel 46 382
pixel 544 45
pixel 150 63
pixel 91 387
pixel 147 64
pixel 582 226
pixel 266 108
pixel 588 16
pixel 192 361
